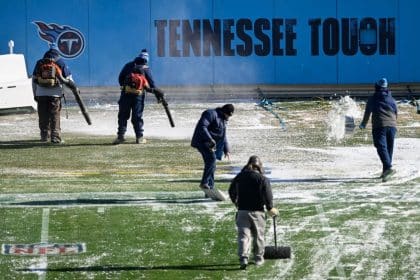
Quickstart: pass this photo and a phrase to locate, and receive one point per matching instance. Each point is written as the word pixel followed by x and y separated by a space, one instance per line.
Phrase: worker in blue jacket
pixel 210 140
pixel 383 108
pixel 133 104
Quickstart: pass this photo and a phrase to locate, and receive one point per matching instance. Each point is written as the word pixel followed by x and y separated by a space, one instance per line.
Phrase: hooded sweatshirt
pixel 383 108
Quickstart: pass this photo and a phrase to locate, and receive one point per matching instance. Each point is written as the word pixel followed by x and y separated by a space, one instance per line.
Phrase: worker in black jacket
pixel 250 191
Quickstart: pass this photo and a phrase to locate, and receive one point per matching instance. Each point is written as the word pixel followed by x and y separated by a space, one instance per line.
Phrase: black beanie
pixel 228 109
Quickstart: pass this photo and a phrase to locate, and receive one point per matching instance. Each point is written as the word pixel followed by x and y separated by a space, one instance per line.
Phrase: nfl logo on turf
pixel 41 249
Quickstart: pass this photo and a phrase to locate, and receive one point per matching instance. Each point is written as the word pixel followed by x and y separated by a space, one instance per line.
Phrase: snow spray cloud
pixel 342 116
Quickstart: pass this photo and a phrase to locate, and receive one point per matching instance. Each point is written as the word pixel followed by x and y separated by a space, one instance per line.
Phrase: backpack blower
pixel 76 92
pixel 160 96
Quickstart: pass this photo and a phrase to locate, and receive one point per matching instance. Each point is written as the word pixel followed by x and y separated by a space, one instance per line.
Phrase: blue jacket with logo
pixel 211 126
pixel 383 108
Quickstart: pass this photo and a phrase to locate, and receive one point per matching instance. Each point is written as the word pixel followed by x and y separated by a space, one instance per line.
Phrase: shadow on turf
pixel 99 268
pixel 294 180
pixel 113 201
pixel 27 144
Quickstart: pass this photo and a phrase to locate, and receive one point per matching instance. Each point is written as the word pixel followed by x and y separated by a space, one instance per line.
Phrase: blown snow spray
pixel 340 120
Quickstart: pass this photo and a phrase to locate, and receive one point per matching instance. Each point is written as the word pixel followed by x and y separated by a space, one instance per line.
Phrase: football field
pixel 88 209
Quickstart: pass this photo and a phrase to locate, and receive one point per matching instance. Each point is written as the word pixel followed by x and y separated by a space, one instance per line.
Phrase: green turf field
pixel 139 211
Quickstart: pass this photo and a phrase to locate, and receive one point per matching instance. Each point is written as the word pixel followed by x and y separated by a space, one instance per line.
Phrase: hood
pixel 381 92
pixel 52 53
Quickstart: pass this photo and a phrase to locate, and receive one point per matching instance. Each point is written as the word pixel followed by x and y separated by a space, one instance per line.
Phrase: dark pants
pixel 209 158
pixel 131 104
pixel 383 139
pixel 49 109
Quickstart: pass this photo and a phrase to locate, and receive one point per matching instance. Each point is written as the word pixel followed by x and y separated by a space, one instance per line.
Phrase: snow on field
pixel 330 166
pixel 320 176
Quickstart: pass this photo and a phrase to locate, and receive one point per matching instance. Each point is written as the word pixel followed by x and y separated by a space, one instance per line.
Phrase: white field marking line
pixel 44 239
pixel 325 225
pixel 373 238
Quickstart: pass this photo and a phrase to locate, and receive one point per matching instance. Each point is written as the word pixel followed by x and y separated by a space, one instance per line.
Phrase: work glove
pixel 273 212
pixel 362 126
pixel 211 144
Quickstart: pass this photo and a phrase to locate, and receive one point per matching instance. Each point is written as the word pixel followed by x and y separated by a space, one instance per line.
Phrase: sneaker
pixel 118 140
pixel 243 263
pixel 259 261
pixel 141 140
pixel 387 174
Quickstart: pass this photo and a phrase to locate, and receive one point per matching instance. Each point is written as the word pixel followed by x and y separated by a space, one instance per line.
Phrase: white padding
pixel 12 68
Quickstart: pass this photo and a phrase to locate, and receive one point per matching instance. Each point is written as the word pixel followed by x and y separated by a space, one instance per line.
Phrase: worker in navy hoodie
pixel 210 140
pixel 383 109
pixel 133 104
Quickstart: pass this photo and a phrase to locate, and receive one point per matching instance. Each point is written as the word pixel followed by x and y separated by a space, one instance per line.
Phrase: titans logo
pixel 70 41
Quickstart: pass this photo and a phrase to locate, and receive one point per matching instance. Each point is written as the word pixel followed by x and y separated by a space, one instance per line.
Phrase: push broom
pixel 275 252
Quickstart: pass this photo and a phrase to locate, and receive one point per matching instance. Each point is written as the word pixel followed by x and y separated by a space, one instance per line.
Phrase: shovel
pixel 274 252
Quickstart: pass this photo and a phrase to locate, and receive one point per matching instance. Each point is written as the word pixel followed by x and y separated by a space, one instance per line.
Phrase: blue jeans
pixel 131 104
pixel 209 158
pixel 383 139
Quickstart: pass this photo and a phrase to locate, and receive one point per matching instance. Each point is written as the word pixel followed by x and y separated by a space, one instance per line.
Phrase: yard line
pixel 45 222
pixel 44 239
pixel 325 225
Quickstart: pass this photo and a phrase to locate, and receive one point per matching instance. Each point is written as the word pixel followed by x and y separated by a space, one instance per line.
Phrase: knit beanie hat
pixel 144 55
pixel 228 109
pixel 383 83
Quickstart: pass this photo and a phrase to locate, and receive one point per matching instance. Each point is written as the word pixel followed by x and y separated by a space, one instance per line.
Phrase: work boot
pixel 141 140
pixel 44 136
pixel 243 262
pixel 118 140
pixel 387 174
pixel 206 189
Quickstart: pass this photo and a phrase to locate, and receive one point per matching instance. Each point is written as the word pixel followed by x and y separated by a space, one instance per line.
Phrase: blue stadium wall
pixel 222 42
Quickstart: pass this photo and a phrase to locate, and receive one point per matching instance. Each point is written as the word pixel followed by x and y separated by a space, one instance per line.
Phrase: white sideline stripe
pixel 325 225
pixel 45 222
pixel 44 239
